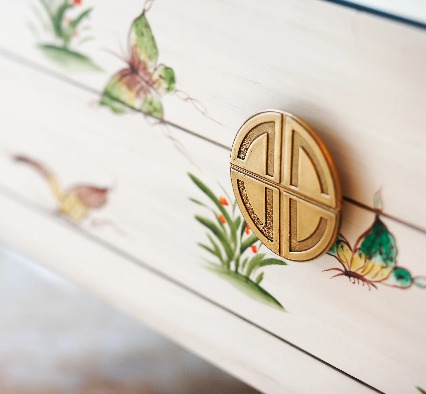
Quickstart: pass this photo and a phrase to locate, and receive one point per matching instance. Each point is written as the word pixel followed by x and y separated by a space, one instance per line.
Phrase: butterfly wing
pixel 135 87
pixel 377 248
pixel 121 91
pixel 142 43
pixel 91 196
pixel 164 79
pixel 342 251
pixel 144 59
pixel 151 104
pixel 401 278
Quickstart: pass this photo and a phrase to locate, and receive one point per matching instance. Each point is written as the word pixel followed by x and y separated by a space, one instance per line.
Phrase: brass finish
pixel 286 185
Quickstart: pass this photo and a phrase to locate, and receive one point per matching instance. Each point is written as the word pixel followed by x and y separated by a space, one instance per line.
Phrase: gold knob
pixel 286 185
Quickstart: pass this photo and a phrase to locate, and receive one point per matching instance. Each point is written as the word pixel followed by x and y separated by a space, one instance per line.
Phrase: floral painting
pixel 372 260
pixel 234 251
pixel 66 23
pixel 74 203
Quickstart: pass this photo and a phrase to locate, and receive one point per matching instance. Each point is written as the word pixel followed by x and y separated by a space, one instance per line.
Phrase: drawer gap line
pixel 43 70
pixel 141 264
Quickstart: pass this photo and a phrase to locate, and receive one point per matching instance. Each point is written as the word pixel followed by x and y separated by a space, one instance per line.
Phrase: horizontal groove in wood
pixel 135 260
pixel 413 20
pixel 15 57
pixel 150 203
pixel 333 66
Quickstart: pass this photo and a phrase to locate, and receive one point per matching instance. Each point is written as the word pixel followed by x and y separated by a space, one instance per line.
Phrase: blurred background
pixel 57 338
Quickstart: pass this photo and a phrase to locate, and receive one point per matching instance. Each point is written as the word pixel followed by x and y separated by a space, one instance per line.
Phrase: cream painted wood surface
pixel 197 324
pixel 358 79
pixel 376 336
pixel 413 9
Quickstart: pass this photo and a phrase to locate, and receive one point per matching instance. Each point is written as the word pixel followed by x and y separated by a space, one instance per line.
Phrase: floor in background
pixel 57 338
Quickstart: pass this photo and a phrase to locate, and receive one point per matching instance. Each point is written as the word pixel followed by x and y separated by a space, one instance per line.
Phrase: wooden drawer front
pixel 360 331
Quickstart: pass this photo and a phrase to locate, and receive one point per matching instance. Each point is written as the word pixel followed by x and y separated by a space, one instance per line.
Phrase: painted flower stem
pixel 235 249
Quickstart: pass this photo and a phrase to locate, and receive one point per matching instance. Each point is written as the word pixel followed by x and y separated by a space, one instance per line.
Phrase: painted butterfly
pixel 372 260
pixel 143 82
pixel 76 202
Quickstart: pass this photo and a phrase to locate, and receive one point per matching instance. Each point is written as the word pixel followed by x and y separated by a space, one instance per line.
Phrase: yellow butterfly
pixel 372 260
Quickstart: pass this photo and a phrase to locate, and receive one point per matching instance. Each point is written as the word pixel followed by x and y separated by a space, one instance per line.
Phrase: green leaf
pixel 142 41
pixel 219 235
pixel 58 18
pixel 249 286
pixel 243 227
pixel 259 278
pixel 85 39
pixel 421 390
pixel 48 9
pixel 208 248
pixel 243 264
pixel 75 22
pixel 206 190
pixel 253 263
pixel 234 229
pixel 249 241
pixel 237 222
pixel 216 248
pixel 198 202
pixel 378 244
pixel 272 261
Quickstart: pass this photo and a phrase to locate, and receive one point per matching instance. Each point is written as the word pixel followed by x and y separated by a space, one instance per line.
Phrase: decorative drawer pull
pixel 286 185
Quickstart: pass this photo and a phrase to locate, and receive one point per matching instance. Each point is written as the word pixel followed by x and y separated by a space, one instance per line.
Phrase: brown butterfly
pixel 74 203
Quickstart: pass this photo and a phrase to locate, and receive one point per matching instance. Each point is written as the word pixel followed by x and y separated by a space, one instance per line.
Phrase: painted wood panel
pixel 214 334
pixel 373 334
pixel 357 78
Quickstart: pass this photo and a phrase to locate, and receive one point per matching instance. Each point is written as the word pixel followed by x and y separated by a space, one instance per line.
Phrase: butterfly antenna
pixel 378 206
pixel 178 145
pixel 115 54
pixel 196 104
pixel 122 49
pixel 147 6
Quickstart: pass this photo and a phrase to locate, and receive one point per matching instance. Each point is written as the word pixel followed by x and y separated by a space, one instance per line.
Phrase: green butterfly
pixel 372 260
pixel 143 82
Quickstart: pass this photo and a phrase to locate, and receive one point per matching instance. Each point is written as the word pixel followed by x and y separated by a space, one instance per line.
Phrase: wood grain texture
pixel 376 336
pixel 357 79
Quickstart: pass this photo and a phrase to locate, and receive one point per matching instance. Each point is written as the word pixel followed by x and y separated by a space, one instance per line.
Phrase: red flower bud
pixel 77 2
pixel 247 230
pixel 223 201
pixel 222 219
pixel 254 248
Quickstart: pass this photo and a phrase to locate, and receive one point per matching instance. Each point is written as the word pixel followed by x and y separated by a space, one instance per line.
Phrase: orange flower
pixel 254 248
pixel 223 201
pixel 77 2
pixel 222 219
pixel 247 230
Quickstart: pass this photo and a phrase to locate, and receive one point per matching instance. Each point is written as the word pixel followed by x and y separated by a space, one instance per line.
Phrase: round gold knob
pixel 286 185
